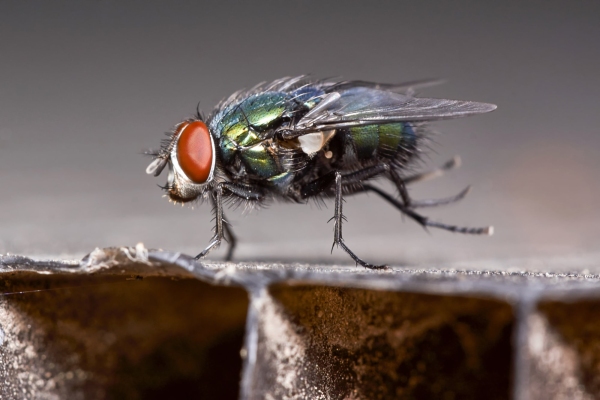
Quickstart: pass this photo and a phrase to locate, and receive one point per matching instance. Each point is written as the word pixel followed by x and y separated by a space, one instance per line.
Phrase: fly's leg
pixel 407 205
pixel 349 183
pixel 410 203
pixel 338 217
pixel 424 221
pixel 218 210
pixel 222 230
pixel 401 186
pixel 440 202
pixel 435 173
pixel 230 238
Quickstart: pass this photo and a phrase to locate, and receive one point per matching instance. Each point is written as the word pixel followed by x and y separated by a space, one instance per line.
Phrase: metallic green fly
pixel 296 139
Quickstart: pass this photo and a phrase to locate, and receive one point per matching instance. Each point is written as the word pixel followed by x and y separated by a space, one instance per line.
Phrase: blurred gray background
pixel 87 86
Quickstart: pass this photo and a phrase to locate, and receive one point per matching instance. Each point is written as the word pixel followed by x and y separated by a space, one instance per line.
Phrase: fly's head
pixel 190 155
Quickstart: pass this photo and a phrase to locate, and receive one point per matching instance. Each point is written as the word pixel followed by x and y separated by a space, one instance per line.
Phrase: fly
pixel 296 139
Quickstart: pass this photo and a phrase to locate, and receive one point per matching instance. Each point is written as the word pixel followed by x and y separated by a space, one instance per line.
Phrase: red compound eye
pixel 194 151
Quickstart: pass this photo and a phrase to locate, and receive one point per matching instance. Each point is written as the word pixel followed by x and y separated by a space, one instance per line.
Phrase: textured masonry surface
pixel 133 323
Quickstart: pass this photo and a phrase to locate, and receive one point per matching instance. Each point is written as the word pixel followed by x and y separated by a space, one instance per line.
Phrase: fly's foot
pixel 356 259
pixel 215 242
pixel 373 266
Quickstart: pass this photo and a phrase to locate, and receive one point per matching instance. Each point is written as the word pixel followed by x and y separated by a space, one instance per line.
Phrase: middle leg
pixel 350 183
pixel 338 217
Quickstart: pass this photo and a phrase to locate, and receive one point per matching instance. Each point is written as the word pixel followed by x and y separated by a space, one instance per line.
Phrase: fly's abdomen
pixel 394 142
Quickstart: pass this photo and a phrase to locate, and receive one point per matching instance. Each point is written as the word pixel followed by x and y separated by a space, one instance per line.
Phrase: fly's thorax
pixel 245 121
pixel 244 134
pixel 261 161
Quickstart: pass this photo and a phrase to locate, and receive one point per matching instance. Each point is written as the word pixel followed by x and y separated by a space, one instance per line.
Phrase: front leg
pixel 230 238
pixel 217 201
pixel 222 230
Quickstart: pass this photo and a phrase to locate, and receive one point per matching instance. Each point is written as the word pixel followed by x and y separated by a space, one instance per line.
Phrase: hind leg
pixel 425 221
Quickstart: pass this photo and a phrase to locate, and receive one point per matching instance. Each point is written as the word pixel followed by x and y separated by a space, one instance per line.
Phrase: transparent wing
pixel 391 87
pixel 367 106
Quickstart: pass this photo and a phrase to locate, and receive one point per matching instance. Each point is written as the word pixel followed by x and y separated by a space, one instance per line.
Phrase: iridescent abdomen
pixel 395 142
